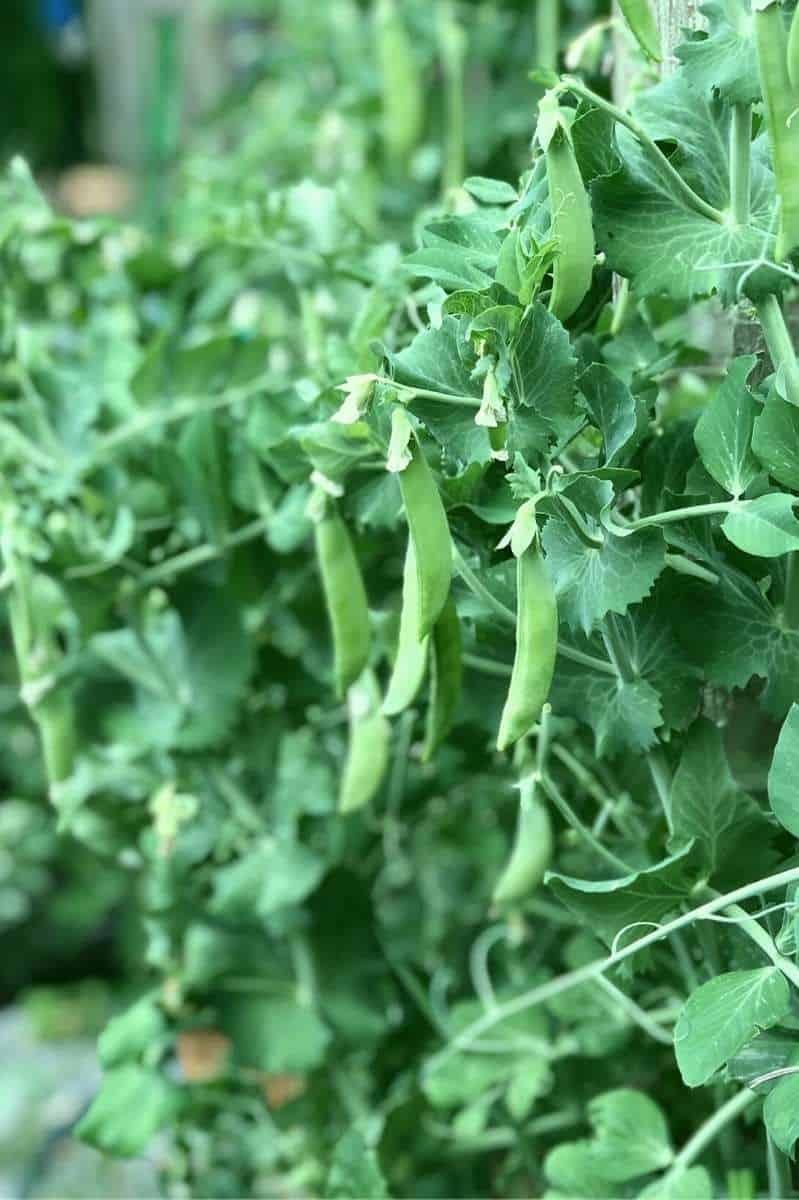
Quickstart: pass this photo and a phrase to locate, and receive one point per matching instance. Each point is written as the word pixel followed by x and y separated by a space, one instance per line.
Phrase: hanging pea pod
pixel 536 646
pixel 427 524
pixel 570 208
pixel 402 95
pixel 345 598
pixel 780 101
pixel 532 849
pixel 793 53
pixel 411 661
pixel 446 674
pixel 367 753
pixel 641 23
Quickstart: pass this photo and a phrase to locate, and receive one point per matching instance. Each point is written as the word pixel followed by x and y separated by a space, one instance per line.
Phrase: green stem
pixel 680 514
pixel 740 162
pixel 636 1013
pixel 780 345
pixel 667 171
pixel 687 566
pixel 547 34
pixel 780 1182
pixel 661 777
pixel 790 608
pixel 486 666
pixel 617 651
pixel 707 1132
pixel 621 308
pixel 571 979
pixel 452 43
pixel 748 925
pixel 568 813
pixel 198 555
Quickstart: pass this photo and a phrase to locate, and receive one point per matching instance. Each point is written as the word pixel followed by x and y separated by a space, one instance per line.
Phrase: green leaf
pixel 765 527
pixel 609 905
pixel 631 1139
pixel 735 634
pixel 354 1171
pixel 531 1079
pixel 783 793
pixel 442 360
pixel 490 191
pixel 722 1015
pixel 542 384
pixel 131 1107
pixel 720 59
pixel 591 582
pixel 781 1114
pixel 652 234
pixel 132 1033
pixel 692 1183
pixel 706 804
pixel 775 440
pixel 619 416
pixel 273 1034
pixel 723 433
pixel 278 873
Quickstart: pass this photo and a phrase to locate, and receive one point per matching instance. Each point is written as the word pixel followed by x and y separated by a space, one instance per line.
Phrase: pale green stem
pixel 707 1132
pixel 568 813
pixel 740 162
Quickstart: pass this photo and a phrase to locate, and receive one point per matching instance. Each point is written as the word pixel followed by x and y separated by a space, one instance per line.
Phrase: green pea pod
pixel 429 533
pixel 571 219
pixel 536 646
pixel 641 23
pixel 446 674
pixel 367 754
pixel 531 853
pixel 402 95
pixel 345 598
pixel 780 102
pixel 793 52
pixel 411 661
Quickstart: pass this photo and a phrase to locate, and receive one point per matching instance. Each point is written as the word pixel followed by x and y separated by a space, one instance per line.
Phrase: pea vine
pixel 403 586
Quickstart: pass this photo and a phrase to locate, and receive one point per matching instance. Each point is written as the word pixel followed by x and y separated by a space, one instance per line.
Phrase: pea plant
pixel 401 580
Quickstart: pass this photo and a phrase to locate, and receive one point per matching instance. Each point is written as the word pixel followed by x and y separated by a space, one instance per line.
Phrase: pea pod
pixel 532 849
pixel 345 599
pixel 446 674
pixel 793 52
pixel 367 753
pixel 570 206
pixel 536 646
pixel 429 534
pixel 780 101
pixel 641 23
pixel 402 95
pixel 411 661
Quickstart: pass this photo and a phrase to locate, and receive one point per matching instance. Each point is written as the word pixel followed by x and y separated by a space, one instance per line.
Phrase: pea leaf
pixel 609 905
pixel 723 433
pixel 591 582
pixel 775 440
pixel 781 1114
pixel 354 1171
pixel 652 233
pixel 543 374
pixel 273 875
pixel 707 806
pixel 722 1015
pixel 272 1033
pixel 721 59
pixel 692 1183
pixel 765 527
pixel 784 772
pixel 619 416
pixel 132 1105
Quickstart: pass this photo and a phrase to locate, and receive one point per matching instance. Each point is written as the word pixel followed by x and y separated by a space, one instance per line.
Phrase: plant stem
pixel 687 566
pixel 452 45
pixel 635 1012
pixel 568 813
pixel 617 651
pixel 547 34
pixel 564 983
pixel 740 162
pixel 780 345
pixel 706 1133
pixel 667 171
pixel 198 555
pixel 681 514
pixel 661 777
pixel 748 925
pixel 621 308
pixel 486 666
pixel 780 1183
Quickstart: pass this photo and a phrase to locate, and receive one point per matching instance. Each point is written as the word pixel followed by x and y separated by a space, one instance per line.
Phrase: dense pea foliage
pixel 400 578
